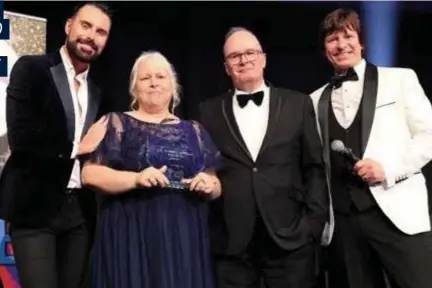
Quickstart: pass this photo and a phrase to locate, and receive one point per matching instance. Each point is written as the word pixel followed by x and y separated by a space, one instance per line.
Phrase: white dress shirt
pixel 346 99
pixel 252 120
pixel 80 103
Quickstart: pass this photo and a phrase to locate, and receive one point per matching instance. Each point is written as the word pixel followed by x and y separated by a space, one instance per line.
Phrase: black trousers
pixel 366 246
pixel 54 256
pixel 264 262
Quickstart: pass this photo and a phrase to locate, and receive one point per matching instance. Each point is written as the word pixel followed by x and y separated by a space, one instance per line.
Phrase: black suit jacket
pixel 40 121
pixel 286 183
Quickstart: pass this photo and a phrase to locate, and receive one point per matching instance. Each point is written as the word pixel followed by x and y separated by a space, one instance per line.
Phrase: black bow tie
pixel 256 97
pixel 337 80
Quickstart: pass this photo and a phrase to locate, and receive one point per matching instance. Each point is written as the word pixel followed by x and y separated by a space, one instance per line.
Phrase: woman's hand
pixel 206 183
pixel 151 177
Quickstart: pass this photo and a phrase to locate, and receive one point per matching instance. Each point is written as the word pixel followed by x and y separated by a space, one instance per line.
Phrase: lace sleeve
pixel 210 154
pixel 108 151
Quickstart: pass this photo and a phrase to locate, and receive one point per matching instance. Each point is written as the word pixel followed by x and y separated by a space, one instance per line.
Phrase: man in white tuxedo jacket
pixel 379 218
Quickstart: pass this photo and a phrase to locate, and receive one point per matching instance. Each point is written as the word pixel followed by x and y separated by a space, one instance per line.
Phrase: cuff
pixel 390 178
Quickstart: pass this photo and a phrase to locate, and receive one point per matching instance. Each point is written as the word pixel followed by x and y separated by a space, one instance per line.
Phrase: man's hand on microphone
pixel 370 171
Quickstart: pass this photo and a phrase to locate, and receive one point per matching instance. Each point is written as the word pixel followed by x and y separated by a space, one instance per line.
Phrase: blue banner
pixel 4 35
pixel 4 24
pixel 3 66
pixel 4 29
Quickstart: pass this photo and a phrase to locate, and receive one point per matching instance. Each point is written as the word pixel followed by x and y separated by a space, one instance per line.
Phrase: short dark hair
pixel 99 5
pixel 340 19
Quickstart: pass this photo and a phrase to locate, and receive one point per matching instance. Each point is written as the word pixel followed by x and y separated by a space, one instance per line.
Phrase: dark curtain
pixel 190 35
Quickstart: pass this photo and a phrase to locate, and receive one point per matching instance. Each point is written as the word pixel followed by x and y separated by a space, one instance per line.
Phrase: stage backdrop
pixel 27 36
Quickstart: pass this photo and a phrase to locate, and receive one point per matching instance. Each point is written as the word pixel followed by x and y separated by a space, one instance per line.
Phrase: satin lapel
pixel 323 109
pixel 273 117
pixel 58 73
pixel 370 90
pixel 93 106
pixel 228 113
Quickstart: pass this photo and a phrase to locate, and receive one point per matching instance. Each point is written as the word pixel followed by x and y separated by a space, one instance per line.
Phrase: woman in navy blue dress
pixel 155 174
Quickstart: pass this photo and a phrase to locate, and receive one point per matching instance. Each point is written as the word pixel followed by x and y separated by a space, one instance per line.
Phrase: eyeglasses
pixel 250 55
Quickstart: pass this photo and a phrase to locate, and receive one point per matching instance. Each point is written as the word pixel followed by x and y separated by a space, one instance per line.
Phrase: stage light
pixel 381 25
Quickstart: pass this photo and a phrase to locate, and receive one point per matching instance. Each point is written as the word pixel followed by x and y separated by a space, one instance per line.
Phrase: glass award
pixel 172 159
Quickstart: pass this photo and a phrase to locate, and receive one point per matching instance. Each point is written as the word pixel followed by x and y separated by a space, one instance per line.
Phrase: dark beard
pixel 74 52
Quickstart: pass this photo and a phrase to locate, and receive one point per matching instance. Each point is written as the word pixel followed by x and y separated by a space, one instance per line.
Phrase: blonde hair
pixel 154 55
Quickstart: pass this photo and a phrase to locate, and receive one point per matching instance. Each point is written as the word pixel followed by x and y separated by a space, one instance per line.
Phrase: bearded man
pixel 51 103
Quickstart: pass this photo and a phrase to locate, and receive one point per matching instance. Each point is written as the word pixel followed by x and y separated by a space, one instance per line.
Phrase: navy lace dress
pixel 153 238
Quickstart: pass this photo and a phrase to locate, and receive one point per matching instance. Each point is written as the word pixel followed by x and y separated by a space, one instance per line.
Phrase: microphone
pixel 339 147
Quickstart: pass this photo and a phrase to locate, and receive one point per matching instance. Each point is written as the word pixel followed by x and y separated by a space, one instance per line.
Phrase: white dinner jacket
pixel 397 132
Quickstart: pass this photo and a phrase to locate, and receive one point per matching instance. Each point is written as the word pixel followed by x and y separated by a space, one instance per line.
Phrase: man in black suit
pixel 51 103
pixel 274 203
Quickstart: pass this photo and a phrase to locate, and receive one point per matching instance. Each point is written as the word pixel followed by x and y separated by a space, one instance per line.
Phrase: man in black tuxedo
pixel 51 103
pixel 274 203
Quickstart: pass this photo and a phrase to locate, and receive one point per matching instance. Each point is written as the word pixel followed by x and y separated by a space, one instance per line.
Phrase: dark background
pixel 190 35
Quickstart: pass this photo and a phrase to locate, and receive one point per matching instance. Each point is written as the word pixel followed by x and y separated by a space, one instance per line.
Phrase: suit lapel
pixel 273 117
pixel 323 108
pixel 93 106
pixel 370 89
pixel 228 114
pixel 58 73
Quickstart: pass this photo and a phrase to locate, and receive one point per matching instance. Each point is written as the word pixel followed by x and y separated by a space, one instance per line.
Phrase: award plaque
pixel 164 155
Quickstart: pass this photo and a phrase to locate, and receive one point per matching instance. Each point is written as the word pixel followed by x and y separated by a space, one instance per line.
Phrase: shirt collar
pixel 360 68
pixel 262 87
pixel 68 65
